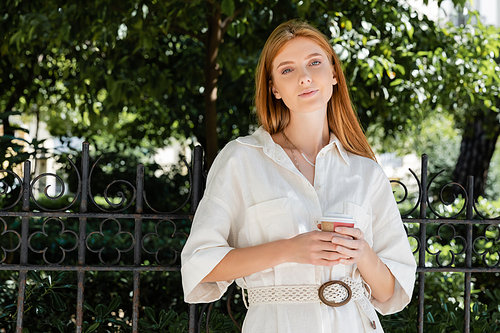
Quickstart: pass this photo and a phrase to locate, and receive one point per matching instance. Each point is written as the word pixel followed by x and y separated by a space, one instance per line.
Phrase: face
pixel 302 76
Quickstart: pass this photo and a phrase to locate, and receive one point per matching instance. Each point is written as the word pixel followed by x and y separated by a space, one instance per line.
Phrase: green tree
pixel 475 101
pixel 405 69
pixel 145 71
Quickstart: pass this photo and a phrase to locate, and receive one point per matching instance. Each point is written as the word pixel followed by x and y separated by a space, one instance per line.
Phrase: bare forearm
pixel 245 261
pixel 377 275
pixel 314 247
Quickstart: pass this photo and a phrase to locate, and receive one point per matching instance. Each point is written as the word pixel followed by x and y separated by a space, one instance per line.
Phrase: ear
pixel 334 75
pixel 274 90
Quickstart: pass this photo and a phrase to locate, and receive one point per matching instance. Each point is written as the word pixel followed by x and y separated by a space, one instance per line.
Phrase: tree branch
pixel 225 24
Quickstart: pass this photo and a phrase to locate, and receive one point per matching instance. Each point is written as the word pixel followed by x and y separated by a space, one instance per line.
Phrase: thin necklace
pixel 295 147
pixel 291 149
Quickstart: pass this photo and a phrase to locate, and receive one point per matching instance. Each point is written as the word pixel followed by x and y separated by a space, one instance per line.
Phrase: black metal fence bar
pixel 99 215
pixel 24 247
pixel 177 269
pixel 82 228
pixel 469 214
pixel 102 268
pixel 190 217
pixel 195 199
pixel 137 247
pixel 423 240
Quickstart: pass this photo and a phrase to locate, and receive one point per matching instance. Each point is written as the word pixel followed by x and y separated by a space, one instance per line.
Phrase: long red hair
pixel 274 115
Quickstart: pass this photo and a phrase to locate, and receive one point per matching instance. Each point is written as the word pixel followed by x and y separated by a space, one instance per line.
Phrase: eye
pixel 315 63
pixel 286 71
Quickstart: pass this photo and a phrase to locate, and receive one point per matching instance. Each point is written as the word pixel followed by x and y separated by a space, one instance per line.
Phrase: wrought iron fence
pixel 84 243
pixel 467 255
pixel 466 224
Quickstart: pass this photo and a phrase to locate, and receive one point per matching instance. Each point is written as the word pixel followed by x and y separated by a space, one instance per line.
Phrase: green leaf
pixel 58 304
pixel 60 276
pixel 396 82
pixel 348 25
pixel 34 274
pixel 227 7
pixel 101 310
pixel 89 307
pixel 114 304
pixel 162 316
pixel 410 32
pixel 150 313
pixel 60 325
pixel 92 328
pixel 401 69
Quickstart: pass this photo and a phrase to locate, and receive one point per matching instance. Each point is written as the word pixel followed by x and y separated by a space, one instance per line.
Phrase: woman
pixel 257 221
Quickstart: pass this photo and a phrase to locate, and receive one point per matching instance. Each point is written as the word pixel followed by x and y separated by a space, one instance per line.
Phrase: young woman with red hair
pixel 258 220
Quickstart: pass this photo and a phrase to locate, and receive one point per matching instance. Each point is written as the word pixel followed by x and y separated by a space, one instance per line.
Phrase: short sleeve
pixel 206 246
pixel 210 236
pixel 390 242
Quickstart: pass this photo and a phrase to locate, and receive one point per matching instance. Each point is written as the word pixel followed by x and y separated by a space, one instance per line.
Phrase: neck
pixel 309 132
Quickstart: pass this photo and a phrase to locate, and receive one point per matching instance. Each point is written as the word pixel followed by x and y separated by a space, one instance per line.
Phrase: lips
pixel 308 92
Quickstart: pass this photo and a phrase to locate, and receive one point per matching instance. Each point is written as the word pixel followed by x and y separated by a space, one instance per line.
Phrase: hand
pixel 316 248
pixel 352 245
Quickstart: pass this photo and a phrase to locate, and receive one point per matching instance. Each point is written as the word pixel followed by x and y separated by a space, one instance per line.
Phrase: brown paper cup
pixel 329 224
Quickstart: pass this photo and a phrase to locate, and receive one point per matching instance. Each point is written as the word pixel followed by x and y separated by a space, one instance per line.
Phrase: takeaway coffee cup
pixel 331 221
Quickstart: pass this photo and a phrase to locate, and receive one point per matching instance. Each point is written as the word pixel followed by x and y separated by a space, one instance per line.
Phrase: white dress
pixel 255 195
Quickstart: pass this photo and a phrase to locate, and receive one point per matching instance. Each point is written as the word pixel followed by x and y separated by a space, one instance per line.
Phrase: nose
pixel 305 77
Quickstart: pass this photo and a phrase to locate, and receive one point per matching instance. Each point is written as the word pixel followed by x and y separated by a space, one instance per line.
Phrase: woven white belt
pixel 333 293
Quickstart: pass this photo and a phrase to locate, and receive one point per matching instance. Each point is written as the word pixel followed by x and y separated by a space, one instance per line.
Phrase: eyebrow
pixel 312 55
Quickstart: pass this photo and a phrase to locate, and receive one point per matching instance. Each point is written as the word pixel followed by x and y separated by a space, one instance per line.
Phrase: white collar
pixel 262 139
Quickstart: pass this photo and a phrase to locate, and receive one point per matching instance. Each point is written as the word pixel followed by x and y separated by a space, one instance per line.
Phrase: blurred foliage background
pixel 131 77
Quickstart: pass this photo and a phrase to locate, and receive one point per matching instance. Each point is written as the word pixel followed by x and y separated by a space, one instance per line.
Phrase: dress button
pixel 322 154
pixel 279 158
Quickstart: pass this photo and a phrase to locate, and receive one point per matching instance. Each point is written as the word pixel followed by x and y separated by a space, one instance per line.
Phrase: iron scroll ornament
pixel 484 254
pixel 63 189
pixel 44 250
pixel 405 197
pixel 119 194
pixel 188 198
pixel 102 248
pixel 452 253
pixel 6 188
pixel 4 249
pixel 157 234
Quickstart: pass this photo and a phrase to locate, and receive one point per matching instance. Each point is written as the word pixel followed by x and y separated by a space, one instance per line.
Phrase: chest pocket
pixel 269 221
pixel 363 220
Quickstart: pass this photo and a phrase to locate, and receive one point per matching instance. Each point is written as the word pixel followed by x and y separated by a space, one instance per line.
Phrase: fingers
pixel 348 261
pixel 330 259
pixel 324 262
pixel 320 250
pixel 331 242
pixel 327 236
pixel 347 252
pixel 353 232
pixel 353 247
pixel 353 244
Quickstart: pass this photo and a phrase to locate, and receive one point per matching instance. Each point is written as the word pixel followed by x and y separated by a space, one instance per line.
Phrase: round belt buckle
pixel 323 288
